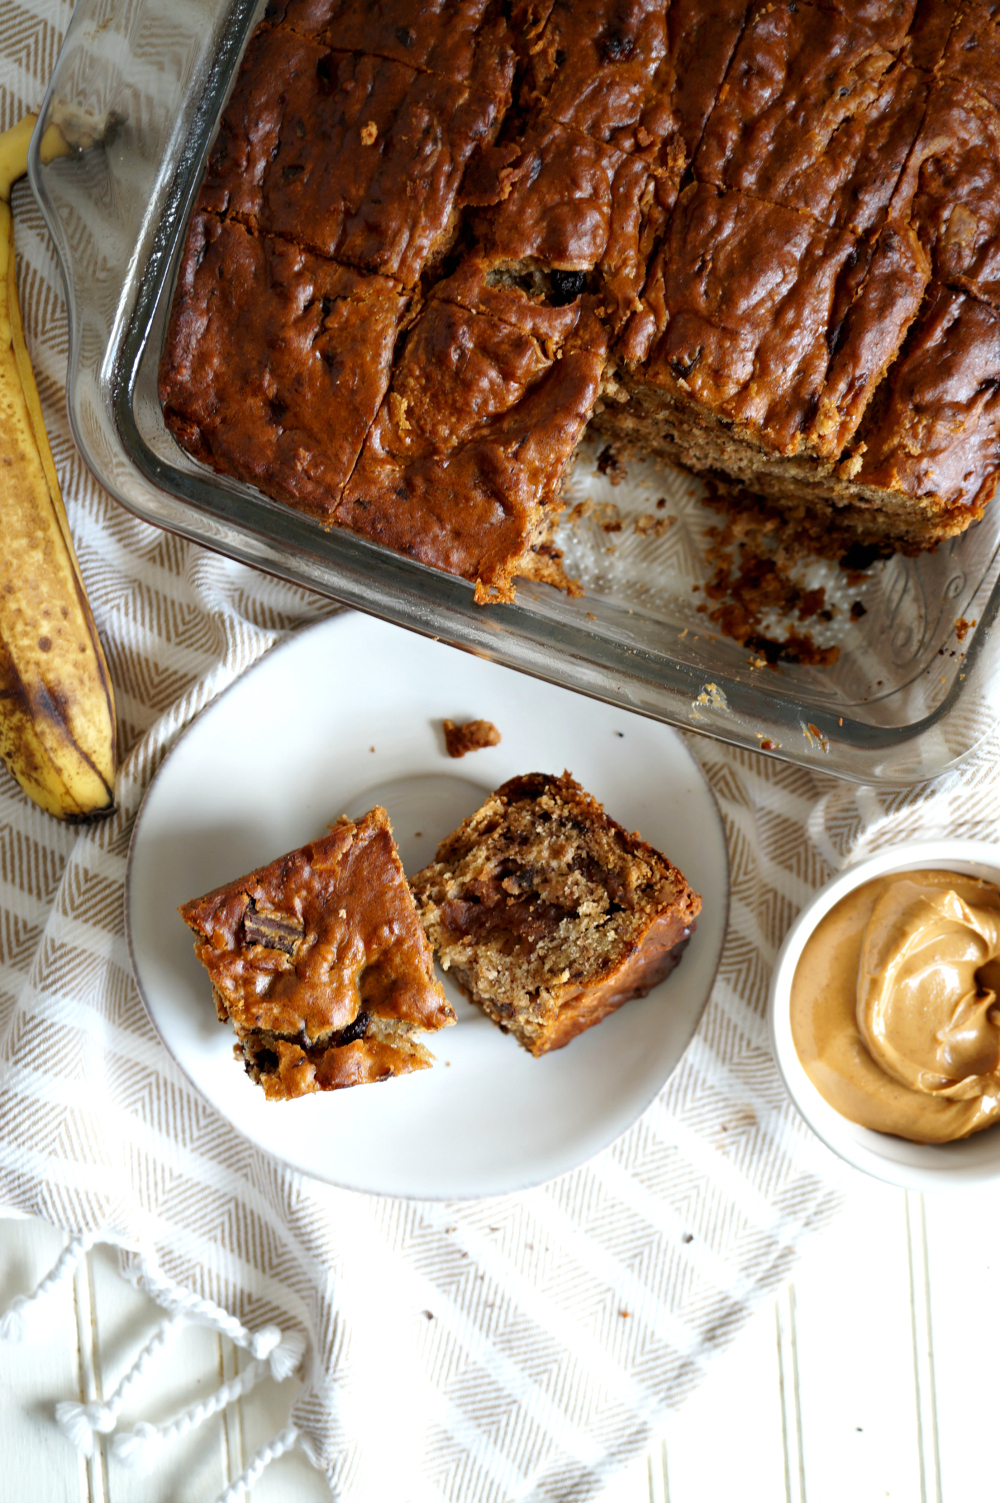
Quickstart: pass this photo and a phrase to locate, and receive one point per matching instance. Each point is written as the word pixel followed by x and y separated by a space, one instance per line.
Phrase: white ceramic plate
pixel 346 715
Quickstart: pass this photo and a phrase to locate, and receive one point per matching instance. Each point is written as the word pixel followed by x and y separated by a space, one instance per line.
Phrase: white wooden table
pixel 873 1375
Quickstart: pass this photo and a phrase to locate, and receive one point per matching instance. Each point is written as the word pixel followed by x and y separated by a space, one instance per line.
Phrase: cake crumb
pixel 469 736
pixel 962 628
pixel 751 580
pixel 610 464
pixel 538 899
pixel 650 526
pixel 369 133
pixel 712 695
pixel 607 516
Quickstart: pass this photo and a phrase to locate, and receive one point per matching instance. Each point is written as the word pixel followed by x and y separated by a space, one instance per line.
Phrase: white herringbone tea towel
pixel 528 1383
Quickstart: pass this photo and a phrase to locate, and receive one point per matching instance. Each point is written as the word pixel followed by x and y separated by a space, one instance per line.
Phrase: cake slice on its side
pixel 548 914
pixel 320 963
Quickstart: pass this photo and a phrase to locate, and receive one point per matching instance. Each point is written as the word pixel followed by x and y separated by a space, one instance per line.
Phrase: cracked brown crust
pixel 602 68
pixel 815 115
pixel 356 158
pixel 464 465
pixel 319 962
pixel 276 361
pixel 469 41
pixel 791 357
pixel 751 211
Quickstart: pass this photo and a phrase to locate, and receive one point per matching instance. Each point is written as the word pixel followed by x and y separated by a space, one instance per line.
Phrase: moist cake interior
pixel 548 914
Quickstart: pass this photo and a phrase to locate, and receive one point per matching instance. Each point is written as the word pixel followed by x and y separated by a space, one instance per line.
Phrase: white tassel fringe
pixel 282 1442
pixel 276 1353
pixel 24 1307
pixel 140 1446
pixel 79 1422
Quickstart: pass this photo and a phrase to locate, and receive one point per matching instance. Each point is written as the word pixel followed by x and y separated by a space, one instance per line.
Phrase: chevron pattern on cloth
pixel 528 1382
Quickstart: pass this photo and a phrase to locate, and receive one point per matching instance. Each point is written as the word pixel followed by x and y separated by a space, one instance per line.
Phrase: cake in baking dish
pixel 320 963
pixel 548 914
pixel 761 241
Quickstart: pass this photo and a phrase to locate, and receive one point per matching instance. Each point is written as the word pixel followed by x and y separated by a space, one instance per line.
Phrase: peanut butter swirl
pixel 894 1007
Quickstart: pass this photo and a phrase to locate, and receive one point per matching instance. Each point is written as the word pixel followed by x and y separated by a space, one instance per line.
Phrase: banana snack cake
pixel 548 914
pixel 761 241
pixel 320 963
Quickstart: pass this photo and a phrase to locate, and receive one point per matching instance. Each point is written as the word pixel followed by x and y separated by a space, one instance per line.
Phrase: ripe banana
pixel 57 715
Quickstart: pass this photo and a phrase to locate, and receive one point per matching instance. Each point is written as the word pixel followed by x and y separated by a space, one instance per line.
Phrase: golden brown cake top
pixel 935 432
pixel 276 360
pixel 773 319
pixel 600 66
pixel 487 403
pixel 466 40
pixel 306 944
pixel 356 157
pixel 815 114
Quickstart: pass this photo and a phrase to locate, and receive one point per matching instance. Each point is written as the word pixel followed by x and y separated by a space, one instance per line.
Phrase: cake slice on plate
pixel 320 963
pixel 548 914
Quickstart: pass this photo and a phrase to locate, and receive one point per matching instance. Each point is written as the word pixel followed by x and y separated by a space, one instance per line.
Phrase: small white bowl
pixel 913 1166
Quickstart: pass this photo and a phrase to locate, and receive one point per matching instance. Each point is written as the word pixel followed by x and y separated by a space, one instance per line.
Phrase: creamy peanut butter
pixel 894 1006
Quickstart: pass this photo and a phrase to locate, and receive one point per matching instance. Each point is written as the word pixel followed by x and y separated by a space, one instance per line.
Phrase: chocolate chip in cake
pixel 356 1030
pixel 566 286
pixel 271 930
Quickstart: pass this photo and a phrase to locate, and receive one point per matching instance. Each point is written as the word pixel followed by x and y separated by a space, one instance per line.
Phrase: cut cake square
pixel 464 466
pixel 321 965
pixel 276 361
pixel 765 317
pixel 815 115
pixel 355 157
pixel 598 66
pixel 548 914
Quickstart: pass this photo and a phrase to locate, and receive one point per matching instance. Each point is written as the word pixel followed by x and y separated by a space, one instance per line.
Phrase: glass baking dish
pixel 138 89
